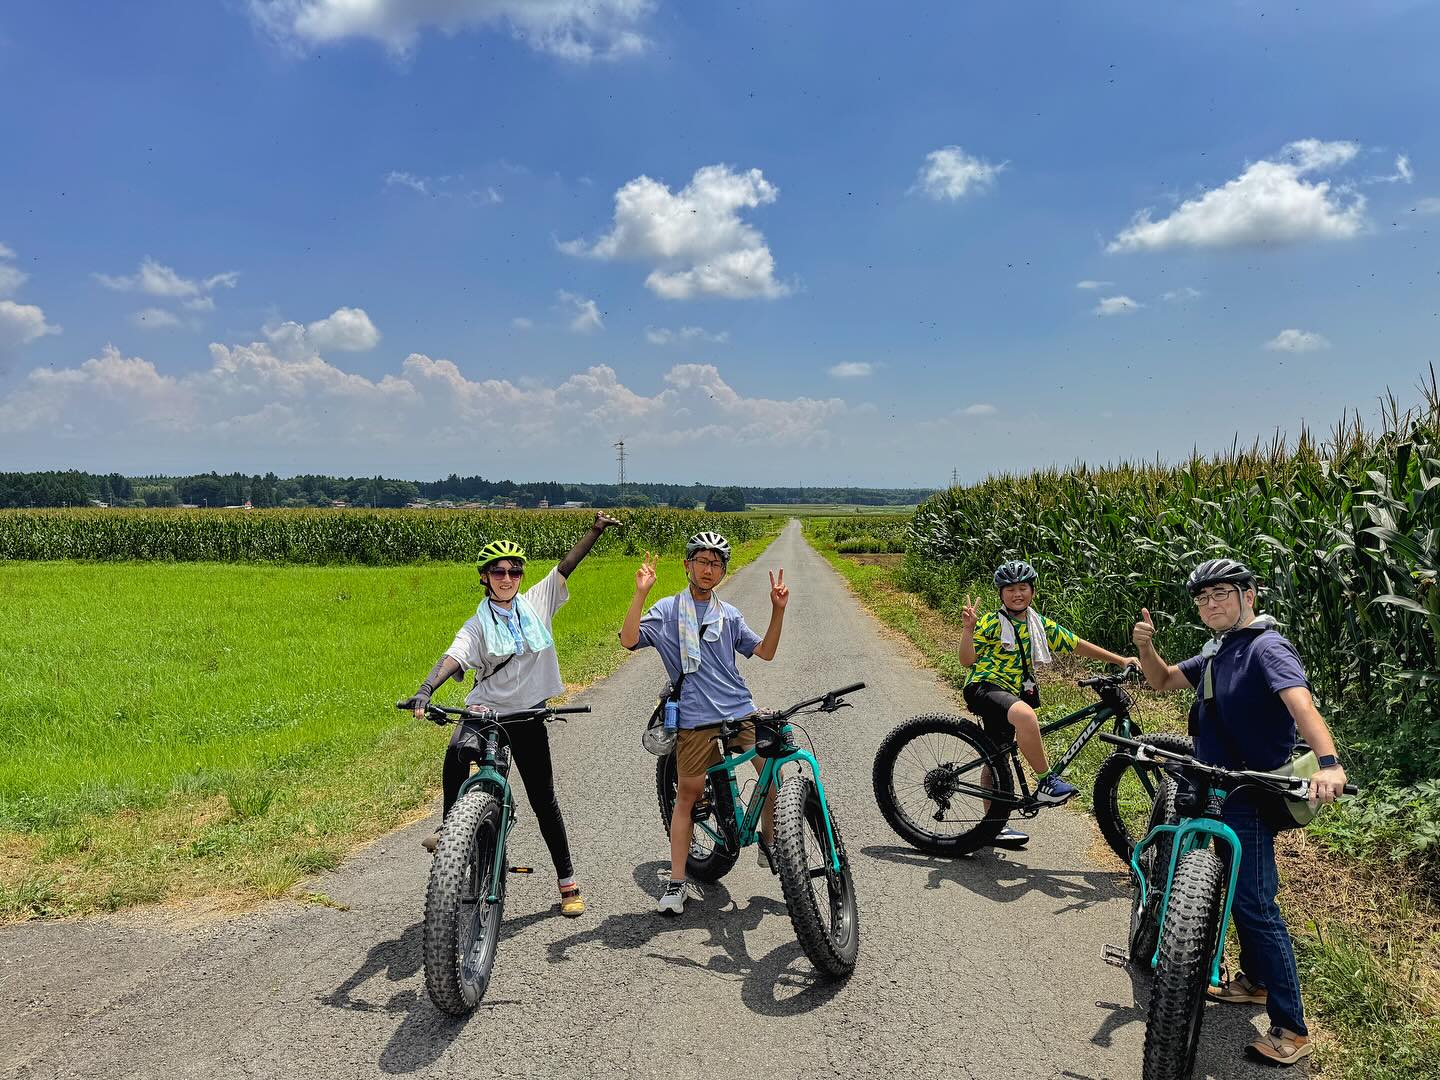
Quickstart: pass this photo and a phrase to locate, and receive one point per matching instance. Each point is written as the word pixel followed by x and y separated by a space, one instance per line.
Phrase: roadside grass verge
pixel 1367 931
pixel 203 729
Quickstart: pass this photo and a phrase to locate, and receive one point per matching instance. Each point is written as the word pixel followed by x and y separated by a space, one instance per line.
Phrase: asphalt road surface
pixel 986 967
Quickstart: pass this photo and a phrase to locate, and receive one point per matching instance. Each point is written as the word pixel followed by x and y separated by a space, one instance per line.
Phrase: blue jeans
pixel 1266 953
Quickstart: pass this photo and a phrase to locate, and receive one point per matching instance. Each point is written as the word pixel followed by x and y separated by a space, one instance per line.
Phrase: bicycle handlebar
pixel 827 702
pixel 1296 787
pixel 1131 674
pixel 442 714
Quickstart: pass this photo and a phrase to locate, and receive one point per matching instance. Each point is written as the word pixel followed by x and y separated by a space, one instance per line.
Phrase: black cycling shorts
pixel 991 703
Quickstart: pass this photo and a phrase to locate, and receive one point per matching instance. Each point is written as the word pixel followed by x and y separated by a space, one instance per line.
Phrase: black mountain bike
pixel 465 897
pixel 947 787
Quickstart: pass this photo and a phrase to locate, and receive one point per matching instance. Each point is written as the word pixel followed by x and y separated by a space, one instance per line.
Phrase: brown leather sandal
pixel 572 904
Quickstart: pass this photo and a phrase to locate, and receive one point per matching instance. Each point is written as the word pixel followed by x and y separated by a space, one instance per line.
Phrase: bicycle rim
pixel 923 781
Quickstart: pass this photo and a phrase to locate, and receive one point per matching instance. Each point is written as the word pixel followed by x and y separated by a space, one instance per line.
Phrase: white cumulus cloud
pixel 978 409
pixel 346 329
pixel 951 173
pixel 521 323
pixel 11 278
pixel 156 279
pixel 1297 341
pixel 21 324
pixel 694 237
pixel 1117 305
pixel 852 369
pixel 1180 295
pixel 659 335
pixel 1089 284
pixel 583 313
pixel 1271 202
pixel 576 30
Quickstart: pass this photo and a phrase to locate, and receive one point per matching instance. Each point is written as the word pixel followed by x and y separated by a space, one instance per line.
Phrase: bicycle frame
pixel 1098 713
pixel 747 823
pixel 1191 834
pixel 489 778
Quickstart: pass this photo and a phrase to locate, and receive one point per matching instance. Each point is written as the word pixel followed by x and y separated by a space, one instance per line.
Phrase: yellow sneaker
pixel 572 904
pixel 1281 1047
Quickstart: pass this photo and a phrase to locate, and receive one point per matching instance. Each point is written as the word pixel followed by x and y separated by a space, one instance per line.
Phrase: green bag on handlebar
pixel 1281 812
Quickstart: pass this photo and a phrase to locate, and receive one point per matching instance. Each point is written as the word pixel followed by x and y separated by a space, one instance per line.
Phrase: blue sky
pixel 780 242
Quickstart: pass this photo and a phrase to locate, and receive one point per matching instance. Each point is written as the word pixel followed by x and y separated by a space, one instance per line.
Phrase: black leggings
pixel 530 753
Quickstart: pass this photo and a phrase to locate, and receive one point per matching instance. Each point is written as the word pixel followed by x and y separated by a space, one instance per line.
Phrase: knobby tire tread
pixel 799 799
pixel 443 907
pixel 1187 943
pixel 986 829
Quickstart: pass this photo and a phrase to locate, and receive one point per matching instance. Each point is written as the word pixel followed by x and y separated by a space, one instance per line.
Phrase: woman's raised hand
pixel 604 521
pixel 969 614
pixel 645 576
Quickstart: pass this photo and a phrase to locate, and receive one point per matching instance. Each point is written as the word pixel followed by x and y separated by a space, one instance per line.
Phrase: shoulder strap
pixel 493 671
pixel 1025 671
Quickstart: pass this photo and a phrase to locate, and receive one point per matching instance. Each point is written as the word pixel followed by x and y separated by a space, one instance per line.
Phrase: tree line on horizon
pixel 77 488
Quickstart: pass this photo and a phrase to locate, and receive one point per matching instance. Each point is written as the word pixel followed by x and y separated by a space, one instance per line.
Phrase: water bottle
pixel 672 715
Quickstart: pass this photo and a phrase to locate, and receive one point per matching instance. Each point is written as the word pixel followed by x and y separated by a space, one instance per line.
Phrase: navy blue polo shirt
pixel 1251 669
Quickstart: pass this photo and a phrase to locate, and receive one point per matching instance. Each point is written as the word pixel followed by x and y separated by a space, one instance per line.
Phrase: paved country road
pixel 986 967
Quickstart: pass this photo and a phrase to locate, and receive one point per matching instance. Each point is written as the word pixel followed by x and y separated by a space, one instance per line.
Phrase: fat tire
pixel 833 954
pixel 882 778
pixel 1187 946
pixel 1155 865
pixel 723 856
pixel 1113 771
pixel 470 821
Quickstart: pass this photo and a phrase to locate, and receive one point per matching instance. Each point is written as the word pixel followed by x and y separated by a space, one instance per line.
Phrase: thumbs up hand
pixel 1144 633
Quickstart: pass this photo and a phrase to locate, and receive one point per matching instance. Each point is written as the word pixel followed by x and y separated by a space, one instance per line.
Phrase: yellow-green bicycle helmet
pixel 499 549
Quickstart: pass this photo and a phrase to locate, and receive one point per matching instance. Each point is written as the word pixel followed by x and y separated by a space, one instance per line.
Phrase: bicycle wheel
pixel 462 930
pixel 707 860
pixel 1125 792
pixel 1187 945
pixel 915 776
pixel 821 900
pixel 1154 862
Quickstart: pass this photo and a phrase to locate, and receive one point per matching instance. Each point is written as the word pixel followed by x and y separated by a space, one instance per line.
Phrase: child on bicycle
pixel 698 635
pixel 1252 696
pixel 508 644
pixel 1002 649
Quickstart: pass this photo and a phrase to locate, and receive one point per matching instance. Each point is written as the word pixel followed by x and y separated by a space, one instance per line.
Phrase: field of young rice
pixel 321 537
pixel 1344 533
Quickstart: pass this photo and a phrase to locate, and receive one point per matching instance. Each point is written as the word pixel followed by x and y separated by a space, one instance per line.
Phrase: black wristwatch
pixel 1328 761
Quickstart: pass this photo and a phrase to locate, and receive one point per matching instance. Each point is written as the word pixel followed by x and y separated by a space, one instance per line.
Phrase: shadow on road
pixel 1004 880
pixel 781 983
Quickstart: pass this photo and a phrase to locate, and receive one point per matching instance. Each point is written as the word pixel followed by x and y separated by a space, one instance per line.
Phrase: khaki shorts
pixel 695 749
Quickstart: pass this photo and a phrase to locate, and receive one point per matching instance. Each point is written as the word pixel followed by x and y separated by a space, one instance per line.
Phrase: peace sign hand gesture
pixel 969 615
pixel 779 591
pixel 645 576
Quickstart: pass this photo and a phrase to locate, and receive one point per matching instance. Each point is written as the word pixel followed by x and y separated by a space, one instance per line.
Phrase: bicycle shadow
pixel 781 983
pixel 1003 880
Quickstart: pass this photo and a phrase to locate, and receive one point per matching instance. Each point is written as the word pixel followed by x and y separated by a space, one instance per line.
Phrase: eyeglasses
pixel 709 564
pixel 507 571
pixel 1214 596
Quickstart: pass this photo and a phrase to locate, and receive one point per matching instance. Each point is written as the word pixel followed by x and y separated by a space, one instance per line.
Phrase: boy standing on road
pixel 1252 695
pixel 698 635
pixel 1002 648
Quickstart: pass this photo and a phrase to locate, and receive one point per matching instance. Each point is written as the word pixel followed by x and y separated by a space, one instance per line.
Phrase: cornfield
pixel 1344 533
pixel 861 533
pixel 384 537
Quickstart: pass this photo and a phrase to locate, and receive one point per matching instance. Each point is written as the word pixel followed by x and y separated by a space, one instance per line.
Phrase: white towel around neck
pixel 1039 645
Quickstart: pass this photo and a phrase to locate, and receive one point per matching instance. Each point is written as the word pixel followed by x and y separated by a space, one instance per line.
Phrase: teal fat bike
pixel 947 786
pixel 465 896
pixel 1180 913
pixel 808 853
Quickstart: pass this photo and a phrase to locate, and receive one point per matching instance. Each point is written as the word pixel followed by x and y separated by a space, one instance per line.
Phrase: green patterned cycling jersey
pixel 996 664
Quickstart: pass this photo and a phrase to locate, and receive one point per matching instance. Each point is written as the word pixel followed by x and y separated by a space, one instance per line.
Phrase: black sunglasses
pixel 507 571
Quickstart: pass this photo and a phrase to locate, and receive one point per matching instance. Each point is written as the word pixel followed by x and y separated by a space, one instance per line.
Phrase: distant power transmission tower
pixel 954 478
pixel 620 460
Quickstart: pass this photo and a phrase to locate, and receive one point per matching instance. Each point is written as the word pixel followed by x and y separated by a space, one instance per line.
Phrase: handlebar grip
pixel 561 710
pixel 1350 789
pixel 405 704
pixel 847 689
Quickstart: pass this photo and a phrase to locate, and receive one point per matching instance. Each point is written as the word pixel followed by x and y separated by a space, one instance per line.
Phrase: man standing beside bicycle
pixel 509 645
pixel 1251 697
pixel 698 636
pixel 1002 648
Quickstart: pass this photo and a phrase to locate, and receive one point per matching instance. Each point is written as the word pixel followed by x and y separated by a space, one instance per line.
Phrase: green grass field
pixel 182 729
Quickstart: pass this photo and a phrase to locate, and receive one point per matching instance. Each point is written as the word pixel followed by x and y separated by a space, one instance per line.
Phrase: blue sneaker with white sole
pixel 1052 791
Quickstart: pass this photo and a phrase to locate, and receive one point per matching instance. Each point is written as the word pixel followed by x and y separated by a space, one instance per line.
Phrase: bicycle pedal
pixel 1115 956
pixel 522 869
